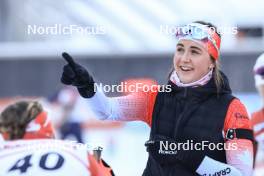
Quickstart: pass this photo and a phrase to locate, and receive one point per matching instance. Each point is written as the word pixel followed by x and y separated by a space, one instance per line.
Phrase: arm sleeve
pixel 242 157
pixel 132 107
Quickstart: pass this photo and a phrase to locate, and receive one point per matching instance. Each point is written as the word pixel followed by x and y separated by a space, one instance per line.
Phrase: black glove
pixel 76 75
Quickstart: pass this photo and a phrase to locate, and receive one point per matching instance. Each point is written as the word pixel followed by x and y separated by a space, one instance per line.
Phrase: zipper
pixel 185 92
pixel 183 110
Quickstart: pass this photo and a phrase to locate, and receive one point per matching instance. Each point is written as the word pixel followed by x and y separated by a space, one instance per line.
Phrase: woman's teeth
pixel 183 68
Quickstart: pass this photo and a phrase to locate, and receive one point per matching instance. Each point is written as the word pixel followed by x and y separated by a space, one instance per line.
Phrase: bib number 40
pixel 24 164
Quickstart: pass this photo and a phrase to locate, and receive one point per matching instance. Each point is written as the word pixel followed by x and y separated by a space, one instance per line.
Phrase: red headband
pixel 200 32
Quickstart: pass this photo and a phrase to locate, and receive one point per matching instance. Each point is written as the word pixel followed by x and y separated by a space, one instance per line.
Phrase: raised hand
pixel 76 75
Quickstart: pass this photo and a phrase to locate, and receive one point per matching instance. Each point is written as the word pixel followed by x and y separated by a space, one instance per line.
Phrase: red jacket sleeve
pixel 237 116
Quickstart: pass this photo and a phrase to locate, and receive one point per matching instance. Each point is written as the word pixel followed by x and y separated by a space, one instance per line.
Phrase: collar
pixel 204 80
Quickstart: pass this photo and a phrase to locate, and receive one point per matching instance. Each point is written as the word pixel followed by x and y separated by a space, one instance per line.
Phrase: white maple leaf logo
pixel 245 157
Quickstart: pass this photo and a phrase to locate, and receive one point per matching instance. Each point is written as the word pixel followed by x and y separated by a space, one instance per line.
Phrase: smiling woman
pixel 199 53
pixel 199 109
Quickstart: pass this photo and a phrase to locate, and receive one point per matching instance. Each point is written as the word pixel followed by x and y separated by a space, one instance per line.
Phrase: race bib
pixel 43 157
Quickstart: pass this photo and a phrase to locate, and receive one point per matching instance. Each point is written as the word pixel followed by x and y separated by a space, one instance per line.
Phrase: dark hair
pixel 15 118
pixel 216 73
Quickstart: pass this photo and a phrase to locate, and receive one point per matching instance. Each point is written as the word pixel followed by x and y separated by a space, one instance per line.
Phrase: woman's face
pixel 191 61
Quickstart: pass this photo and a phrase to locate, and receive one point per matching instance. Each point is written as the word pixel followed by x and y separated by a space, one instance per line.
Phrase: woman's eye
pixel 195 52
pixel 179 49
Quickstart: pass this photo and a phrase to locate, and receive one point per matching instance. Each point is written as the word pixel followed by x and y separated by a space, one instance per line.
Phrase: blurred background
pixel 122 40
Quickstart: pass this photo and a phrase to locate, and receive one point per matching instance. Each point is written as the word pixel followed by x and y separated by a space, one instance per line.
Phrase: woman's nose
pixel 185 57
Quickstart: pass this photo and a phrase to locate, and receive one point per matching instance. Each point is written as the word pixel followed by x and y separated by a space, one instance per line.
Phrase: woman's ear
pixel 211 66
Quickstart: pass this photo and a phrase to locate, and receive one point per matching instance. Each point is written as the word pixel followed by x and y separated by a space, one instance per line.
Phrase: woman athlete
pixel 200 110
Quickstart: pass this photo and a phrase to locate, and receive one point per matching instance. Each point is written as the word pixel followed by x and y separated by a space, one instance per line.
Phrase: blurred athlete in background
pixel 72 118
pixel 29 147
pixel 258 116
